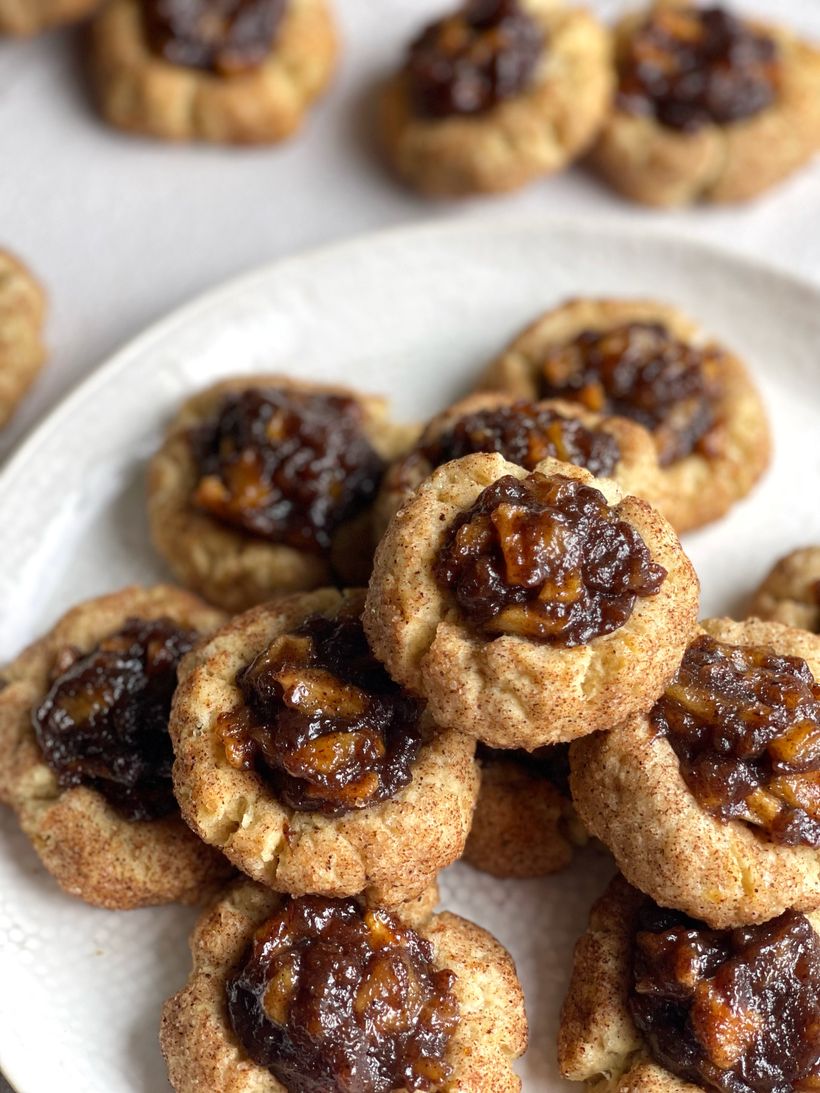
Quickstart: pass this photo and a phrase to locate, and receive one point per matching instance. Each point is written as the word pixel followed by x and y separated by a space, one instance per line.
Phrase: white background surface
pixel 122 230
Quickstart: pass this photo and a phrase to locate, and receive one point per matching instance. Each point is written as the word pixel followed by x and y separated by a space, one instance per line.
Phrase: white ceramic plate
pixel 413 314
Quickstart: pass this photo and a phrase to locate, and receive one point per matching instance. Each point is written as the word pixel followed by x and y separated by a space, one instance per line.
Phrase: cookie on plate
pixel 524 823
pixel 495 95
pixel 264 485
pixel 300 759
pixel 225 71
pixel 22 353
pixel 307 993
pixel 524 433
pixel 709 106
pixel 791 592
pixel 85 755
pixel 649 362
pixel 529 608
pixel 660 1003
pixel 711 803
pixel 31 16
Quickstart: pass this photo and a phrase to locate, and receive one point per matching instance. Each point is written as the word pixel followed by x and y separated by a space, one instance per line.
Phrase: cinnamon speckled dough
pixel 226 565
pixel 696 489
pixel 636 472
pixel 598 1042
pixel 390 851
pixel 140 91
pixel 629 791
pixel 535 133
pixel 656 165
pixel 203 1054
pixel 522 826
pixel 22 353
pixel 791 592
pixel 32 16
pixel 84 842
pixel 512 692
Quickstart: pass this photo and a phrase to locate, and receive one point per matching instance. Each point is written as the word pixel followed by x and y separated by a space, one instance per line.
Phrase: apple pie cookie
pixel 662 1003
pixel 85 755
pixel 265 484
pixel 317 993
pixel 225 71
pixel 496 94
pixel 709 106
pixel 314 772
pixel 711 802
pixel 649 362
pixel 529 608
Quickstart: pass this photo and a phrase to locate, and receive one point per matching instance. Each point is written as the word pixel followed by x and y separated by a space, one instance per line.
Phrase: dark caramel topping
pixel 104 722
pixel 333 999
pixel 691 67
pixel 322 720
pixel 469 62
pixel 744 722
pixel 737 1011
pixel 550 762
pixel 546 558
pixel 640 371
pixel 288 466
pixel 525 433
pixel 221 36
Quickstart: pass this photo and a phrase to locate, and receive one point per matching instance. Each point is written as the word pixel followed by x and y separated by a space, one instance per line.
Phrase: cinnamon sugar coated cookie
pixel 264 485
pixel 791 592
pixel 495 94
pixel 649 362
pixel 300 758
pixel 659 1003
pixel 22 312
pixel 524 823
pixel 529 608
pixel 32 16
pixel 181 71
pixel 525 432
pixel 392 998
pixel 709 107
pixel 85 757
pixel 711 803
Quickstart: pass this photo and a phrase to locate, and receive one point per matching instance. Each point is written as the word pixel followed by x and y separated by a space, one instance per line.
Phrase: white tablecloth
pixel 123 230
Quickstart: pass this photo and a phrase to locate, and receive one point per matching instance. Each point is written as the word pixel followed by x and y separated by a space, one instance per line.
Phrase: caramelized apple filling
pixel 732 1010
pixel 525 433
pixel 690 67
pixel 545 558
pixel 221 36
pixel 104 722
pixel 469 62
pixel 335 999
pixel 287 466
pixel 745 725
pixel 640 371
pixel 322 720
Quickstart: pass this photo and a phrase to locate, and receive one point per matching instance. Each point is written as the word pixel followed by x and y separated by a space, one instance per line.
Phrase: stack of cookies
pixel 398 646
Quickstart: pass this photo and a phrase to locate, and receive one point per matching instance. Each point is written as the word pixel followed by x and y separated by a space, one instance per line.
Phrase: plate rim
pixel 613 226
